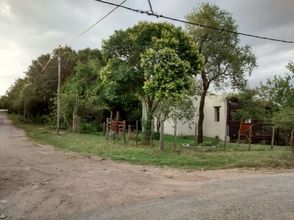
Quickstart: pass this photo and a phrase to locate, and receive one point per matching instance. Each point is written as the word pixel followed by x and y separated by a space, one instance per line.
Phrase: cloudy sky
pixel 29 28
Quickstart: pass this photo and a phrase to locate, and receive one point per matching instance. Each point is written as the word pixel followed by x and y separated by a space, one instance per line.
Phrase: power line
pixel 196 24
pixel 50 59
pixel 85 31
pixel 150 6
pixel 97 22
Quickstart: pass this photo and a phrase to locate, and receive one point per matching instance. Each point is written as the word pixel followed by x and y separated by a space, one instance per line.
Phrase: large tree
pixel 124 73
pixel 167 79
pixel 226 62
pixel 279 91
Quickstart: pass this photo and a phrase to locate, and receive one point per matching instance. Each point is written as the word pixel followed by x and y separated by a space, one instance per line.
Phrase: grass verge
pixel 184 156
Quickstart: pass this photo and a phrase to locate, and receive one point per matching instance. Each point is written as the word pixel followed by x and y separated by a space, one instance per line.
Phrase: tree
pixel 250 106
pixel 81 93
pixel 4 102
pixel 285 119
pixel 167 79
pixel 124 74
pixel 279 91
pixel 225 61
pixel 183 110
pixel 43 84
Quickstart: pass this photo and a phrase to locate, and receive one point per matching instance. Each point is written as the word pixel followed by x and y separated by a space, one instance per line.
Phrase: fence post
pixel 124 130
pixel 137 132
pixel 103 128
pixel 250 136
pixel 175 133
pixel 107 128
pixel 273 138
pixel 226 134
pixel 291 140
pixel 152 132
pixel 129 131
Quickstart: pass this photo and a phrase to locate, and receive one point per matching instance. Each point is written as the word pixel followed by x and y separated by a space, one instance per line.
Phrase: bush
pixel 90 128
pixel 156 136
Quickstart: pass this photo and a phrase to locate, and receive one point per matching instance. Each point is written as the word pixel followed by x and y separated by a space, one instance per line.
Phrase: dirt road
pixel 39 182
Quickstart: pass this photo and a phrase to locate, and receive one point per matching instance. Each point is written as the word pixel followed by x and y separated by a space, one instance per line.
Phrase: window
pixel 216 113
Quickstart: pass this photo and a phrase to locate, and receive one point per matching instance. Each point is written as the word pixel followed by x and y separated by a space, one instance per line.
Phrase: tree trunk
pixel 147 128
pixel 147 124
pixel 161 133
pixel 201 116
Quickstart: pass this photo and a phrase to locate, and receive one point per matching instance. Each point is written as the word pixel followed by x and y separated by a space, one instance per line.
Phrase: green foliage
pixel 250 106
pixel 35 93
pixel 166 75
pixel 90 128
pixel 279 91
pixel 186 157
pixel 4 102
pixel 82 92
pixel 130 64
pixel 225 62
pixel 284 118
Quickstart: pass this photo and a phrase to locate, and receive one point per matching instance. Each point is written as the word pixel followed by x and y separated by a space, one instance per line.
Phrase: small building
pixel 215 118
pixel 219 121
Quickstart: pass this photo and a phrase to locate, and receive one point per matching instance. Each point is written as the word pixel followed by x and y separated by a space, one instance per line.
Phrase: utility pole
pixel 58 93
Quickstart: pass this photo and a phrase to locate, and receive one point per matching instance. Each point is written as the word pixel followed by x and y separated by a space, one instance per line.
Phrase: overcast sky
pixel 29 28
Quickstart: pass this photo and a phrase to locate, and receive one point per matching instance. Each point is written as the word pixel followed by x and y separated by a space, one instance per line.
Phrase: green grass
pixel 211 156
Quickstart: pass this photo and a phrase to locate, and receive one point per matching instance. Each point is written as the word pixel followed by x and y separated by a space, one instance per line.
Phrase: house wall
pixel 211 128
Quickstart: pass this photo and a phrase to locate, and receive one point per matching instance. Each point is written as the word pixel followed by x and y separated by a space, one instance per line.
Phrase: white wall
pixel 211 128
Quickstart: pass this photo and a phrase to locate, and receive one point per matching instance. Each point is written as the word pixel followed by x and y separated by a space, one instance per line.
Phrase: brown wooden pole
pixel 273 138
pixel 129 131
pixel 137 132
pixel 175 132
pixel 250 137
pixel 104 128
pixel 226 134
pixel 107 128
pixel 292 140
pixel 124 131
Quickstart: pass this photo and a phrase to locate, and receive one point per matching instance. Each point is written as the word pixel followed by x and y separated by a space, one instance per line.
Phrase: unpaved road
pixel 39 182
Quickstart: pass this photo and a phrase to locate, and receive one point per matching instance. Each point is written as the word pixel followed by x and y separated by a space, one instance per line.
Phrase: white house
pixel 215 118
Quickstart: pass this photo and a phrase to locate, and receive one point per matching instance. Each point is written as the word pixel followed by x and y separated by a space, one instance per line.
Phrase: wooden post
pixel 273 138
pixel 117 116
pixel 175 133
pixel 104 128
pixel 250 136
pixel 107 127
pixel 129 131
pixel 58 93
pixel 239 135
pixel 124 131
pixel 292 140
pixel 137 132
pixel 226 135
pixel 152 132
